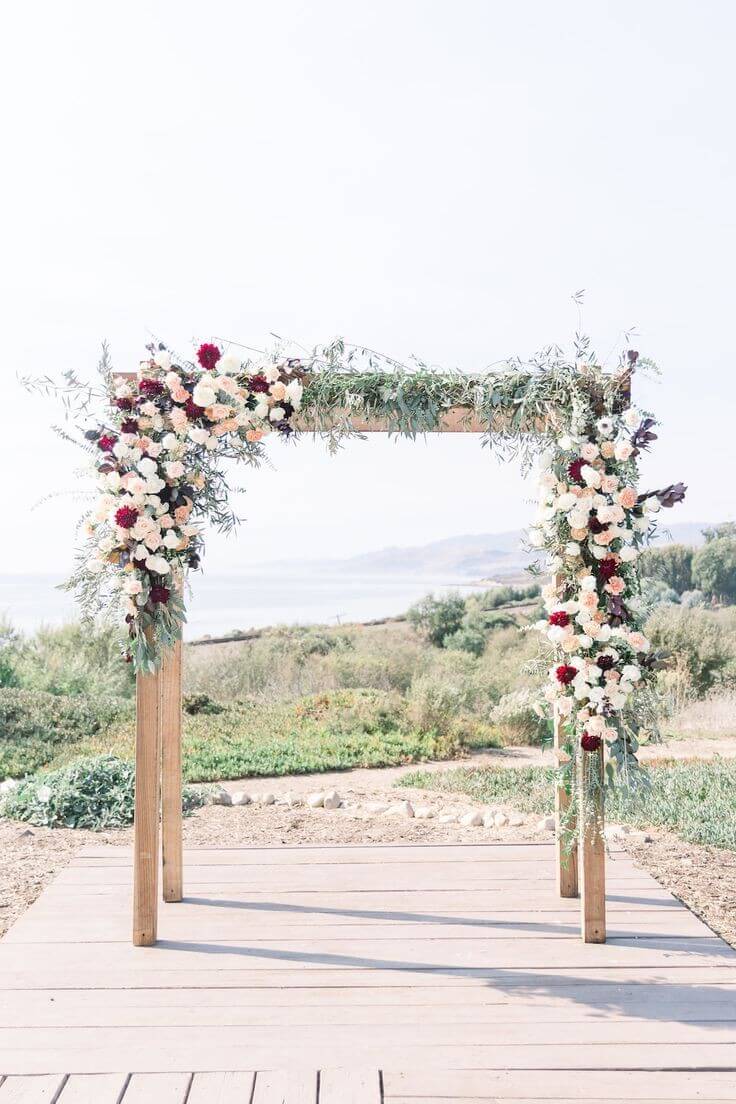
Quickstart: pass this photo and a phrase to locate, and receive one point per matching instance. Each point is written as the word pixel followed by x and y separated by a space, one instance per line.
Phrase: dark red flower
pixel 258 383
pixel 560 618
pixel 193 412
pixel 607 567
pixel 130 425
pixel 595 525
pixel 126 517
pixel 124 404
pixel 208 356
pixel 107 442
pixel 151 388
pixel 575 470
pixel 605 662
pixel 159 595
pixel 588 742
pixel 566 673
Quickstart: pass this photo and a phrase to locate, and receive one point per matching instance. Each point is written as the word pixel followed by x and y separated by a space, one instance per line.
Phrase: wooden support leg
pixel 566 859
pixel 147 774
pixel 593 855
pixel 171 820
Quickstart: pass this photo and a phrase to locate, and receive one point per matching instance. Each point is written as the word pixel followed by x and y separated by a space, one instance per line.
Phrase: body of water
pixel 253 599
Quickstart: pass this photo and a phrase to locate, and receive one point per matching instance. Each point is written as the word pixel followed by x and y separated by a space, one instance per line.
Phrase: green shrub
pixel 437 618
pixel 74 659
pixel 671 564
pixel 96 793
pixel 194 704
pixel 657 593
pixel 34 725
pixel 692 599
pixel 517 721
pixel 714 568
pixel 701 643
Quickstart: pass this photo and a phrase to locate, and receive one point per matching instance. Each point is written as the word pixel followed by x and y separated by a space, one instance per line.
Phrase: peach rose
pixel 609 483
pixel 589 600
pixel 578 534
pixel 638 642
pixel 627 498
pixel 607 449
pixel 178 418
pixel 612 676
pixel 615 585
pixel 605 537
pixel 218 412
pixel 180 394
pixel 254 435
pixel 181 513
pixel 278 390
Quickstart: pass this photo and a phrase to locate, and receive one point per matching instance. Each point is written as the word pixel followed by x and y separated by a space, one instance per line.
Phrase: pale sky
pixel 423 177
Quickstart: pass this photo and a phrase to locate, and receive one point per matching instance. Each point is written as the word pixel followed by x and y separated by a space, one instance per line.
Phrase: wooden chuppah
pixel 158 779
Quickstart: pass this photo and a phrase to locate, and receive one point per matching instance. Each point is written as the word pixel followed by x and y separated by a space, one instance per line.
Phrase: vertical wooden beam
pixel 171 819
pixel 592 850
pixel 147 775
pixel 566 858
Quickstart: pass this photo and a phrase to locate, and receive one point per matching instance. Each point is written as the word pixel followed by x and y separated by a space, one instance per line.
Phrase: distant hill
pixel 474 555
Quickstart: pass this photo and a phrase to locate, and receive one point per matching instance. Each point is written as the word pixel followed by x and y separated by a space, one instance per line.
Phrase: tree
pixel 671 564
pixel 437 618
pixel 714 568
pixel 727 529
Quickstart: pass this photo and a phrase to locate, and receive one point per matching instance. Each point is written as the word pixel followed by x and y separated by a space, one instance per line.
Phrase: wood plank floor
pixel 360 975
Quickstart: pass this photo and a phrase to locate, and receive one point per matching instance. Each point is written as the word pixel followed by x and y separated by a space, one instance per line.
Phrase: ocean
pixel 248 600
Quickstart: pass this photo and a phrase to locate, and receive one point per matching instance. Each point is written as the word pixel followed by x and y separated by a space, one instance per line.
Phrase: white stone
pixel 639 837
pixel 267 798
pixel 500 820
pixel 448 818
pixel 8 785
pixel 472 820
pixel 315 800
pixel 516 820
pixel 331 800
pixel 424 812
pixel 240 798
pixel 401 808
pixel 615 831
pixel 547 824
pixel 489 818
pixel 221 797
pixel 376 806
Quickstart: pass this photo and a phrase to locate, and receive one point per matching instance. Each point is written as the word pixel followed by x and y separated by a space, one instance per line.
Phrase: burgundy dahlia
pixel 595 525
pixel 150 388
pixel 589 742
pixel 208 356
pixel 160 595
pixel 126 517
pixel 575 470
pixel 107 442
pixel 130 425
pixel 565 673
pixel 193 412
pixel 559 618
pixel 607 567
pixel 124 404
pixel 605 662
pixel 258 384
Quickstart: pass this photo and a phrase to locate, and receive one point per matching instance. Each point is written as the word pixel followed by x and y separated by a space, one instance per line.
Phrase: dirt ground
pixel 703 878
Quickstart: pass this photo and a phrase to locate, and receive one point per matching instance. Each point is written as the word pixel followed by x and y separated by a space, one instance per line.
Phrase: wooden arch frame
pixel 580 871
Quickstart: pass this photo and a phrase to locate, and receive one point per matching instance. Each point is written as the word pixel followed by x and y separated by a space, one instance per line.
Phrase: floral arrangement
pixel 155 461
pixel 592 523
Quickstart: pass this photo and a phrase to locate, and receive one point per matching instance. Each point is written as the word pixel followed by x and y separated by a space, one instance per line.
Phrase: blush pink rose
pixel 615 585
pixel 627 497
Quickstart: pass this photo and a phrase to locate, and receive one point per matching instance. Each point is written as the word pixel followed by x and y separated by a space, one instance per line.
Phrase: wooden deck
pixel 354 975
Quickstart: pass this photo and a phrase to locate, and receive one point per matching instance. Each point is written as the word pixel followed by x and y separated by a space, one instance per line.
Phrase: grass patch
pixel 696 799
pixel 347 728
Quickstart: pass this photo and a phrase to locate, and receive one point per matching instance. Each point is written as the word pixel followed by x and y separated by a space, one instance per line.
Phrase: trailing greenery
pixel 696 799
pixel 96 793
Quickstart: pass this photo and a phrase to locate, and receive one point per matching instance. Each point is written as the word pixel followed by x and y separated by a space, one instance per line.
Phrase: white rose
pixel 147 467
pixel 162 359
pixel 174 469
pixel 628 553
pixel 565 442
pixel 261 410
pixel 158 564
pixel 113 480
pixel 572 549
pixel 577 520
pixel 535 538
pixel 565 502
pixel 277 413
pixel 589 451
pixel 632 417
pixel 272 372
pixel 203 394
pixel 172 539
pixel 95 567
pixel 591 475
pixel 588 582
pixel 154 449
pixel 604 633
pixel 623 450
pixel 121 450
pixel 294 391
pixel 170 442
pixel 154 484
pixel 585 641
pixel 199 436
pixel 631 673
pixel 229 364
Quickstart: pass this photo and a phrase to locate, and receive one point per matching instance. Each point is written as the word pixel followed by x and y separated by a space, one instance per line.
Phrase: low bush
pixel 35 725
pixel 517 721
pixel 96 793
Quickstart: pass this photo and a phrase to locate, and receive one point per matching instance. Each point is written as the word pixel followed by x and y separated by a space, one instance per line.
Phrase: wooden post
pixel 171 819
pixel 566 861
pixel 592 850
pixel 147 774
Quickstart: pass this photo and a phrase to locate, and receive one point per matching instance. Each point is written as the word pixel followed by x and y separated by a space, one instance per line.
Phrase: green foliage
pixel 9 646
pixel 671 564
pixel 692 599
pixel 517 720
pixel 35 726
pixel 702 645
pixel 715 532
pixel 437 618
pixel 696 799
pixel 658 593
pixel 96 793
pixel 714 568
pixel 74 659
pixel 194 704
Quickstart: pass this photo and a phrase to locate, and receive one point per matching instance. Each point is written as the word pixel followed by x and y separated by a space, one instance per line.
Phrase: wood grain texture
pixel 221 1088
pixel 147 779
pixel 94 1088
pixel 43 1089
pixel 286 1087
pixel 350 1086
pixel 157 1088
pixel 593 858
pixel 171 812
